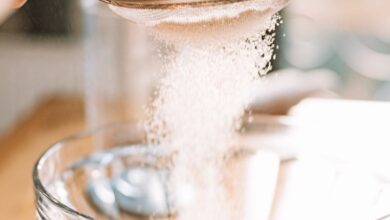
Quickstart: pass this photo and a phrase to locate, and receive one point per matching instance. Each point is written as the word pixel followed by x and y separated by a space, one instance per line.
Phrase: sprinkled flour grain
pixel 200 100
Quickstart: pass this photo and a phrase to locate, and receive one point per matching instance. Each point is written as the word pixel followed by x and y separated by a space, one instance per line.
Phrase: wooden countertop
pixel 19 149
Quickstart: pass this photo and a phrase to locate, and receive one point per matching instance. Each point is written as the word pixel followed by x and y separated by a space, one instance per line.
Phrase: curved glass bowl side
pixel 46 209
pixel 52 163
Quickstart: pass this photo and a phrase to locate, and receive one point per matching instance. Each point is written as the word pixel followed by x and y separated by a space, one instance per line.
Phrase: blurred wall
pixel 350 37
pixel 40 56
pixel 31 70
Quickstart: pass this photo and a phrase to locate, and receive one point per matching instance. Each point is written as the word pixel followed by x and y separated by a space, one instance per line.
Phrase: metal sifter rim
pixel 169 4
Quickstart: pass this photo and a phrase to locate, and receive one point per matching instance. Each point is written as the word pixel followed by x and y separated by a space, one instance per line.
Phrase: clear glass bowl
pixel 68 180
pixel 60 177
pixel 307 185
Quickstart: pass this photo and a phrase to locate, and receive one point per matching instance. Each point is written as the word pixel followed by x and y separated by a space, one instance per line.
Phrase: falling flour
pixel 216 57
pixel 197 110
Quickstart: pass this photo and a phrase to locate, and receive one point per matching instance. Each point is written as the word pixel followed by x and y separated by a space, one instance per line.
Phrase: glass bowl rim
pixel 38 185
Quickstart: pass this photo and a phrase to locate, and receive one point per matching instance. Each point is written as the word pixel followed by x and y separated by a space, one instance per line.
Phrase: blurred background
pixel 43 51
pixel 40 56
pixel 67 62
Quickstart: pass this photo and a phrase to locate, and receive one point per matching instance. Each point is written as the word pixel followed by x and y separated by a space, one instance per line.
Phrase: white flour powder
pixel 201 98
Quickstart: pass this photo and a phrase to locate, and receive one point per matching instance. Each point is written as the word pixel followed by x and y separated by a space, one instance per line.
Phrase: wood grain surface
pixel 51 120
